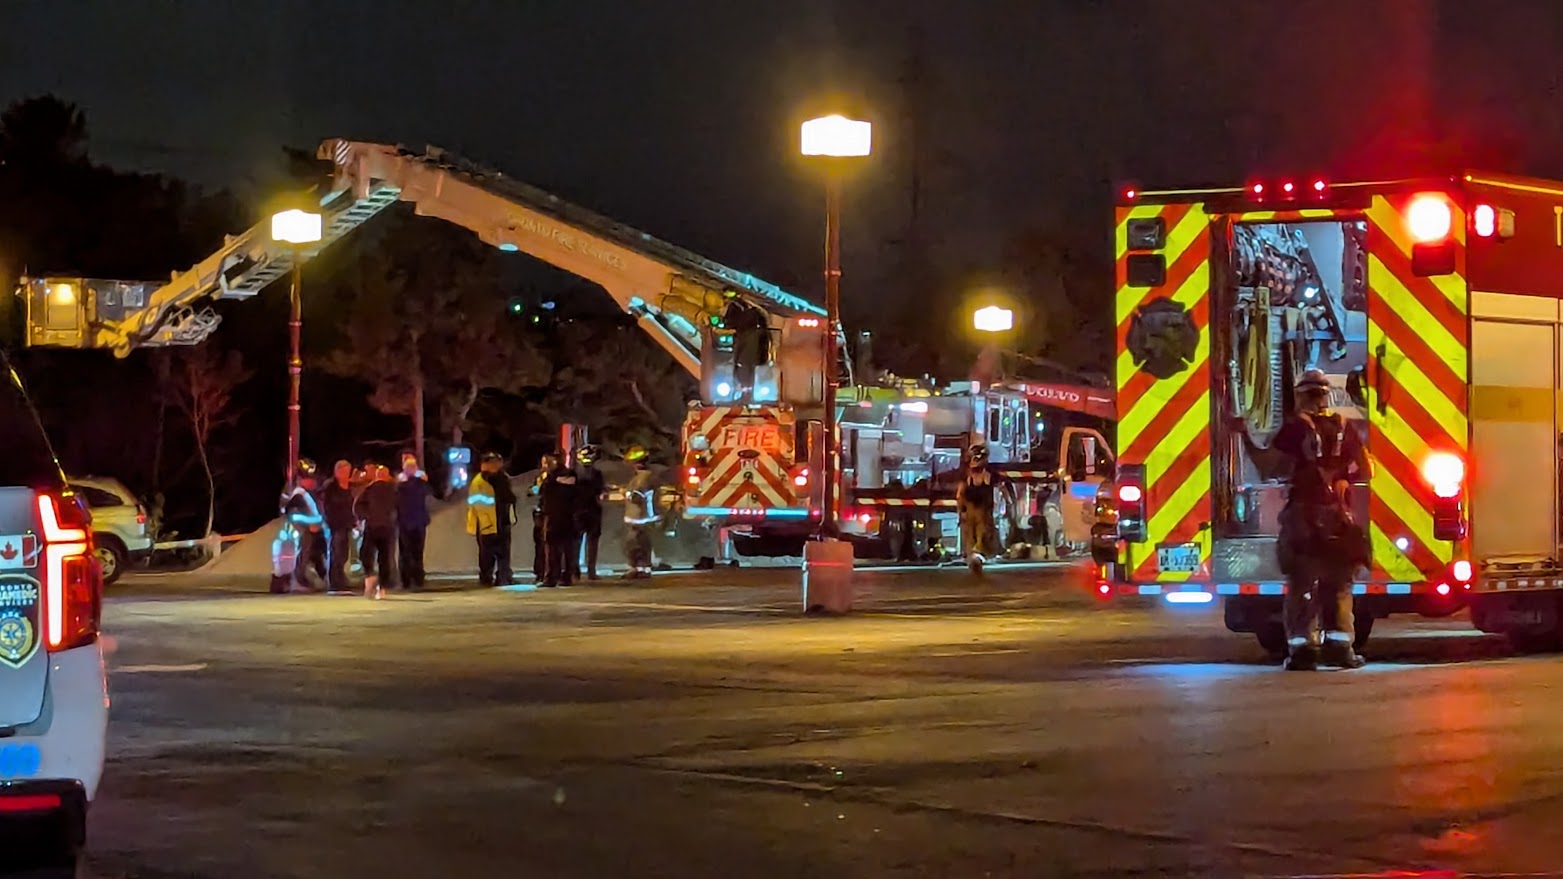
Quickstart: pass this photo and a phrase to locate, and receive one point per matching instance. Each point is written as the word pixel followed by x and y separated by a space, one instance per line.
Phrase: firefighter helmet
pixel 587 454
pixel 1312 380
pixel 635 453
pixel 493 458
pixel 306 467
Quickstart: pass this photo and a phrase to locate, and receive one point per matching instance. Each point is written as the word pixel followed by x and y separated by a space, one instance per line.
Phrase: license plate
pixel 1182 559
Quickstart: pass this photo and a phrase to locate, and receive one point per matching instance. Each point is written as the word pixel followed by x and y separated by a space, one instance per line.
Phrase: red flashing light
pixel 808 321
pixel 1130 494
pixel 1319 186
pixel 1104 589
pixel 1288 187
pixel 1462 571
pixel 1429 218
pixel 1444 472
pixel 1257 189
pixel 1484 221
pixel 1442 588
pixel 1130 194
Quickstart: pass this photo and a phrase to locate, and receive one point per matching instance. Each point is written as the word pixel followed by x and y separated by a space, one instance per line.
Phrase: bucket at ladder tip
pixel 827 576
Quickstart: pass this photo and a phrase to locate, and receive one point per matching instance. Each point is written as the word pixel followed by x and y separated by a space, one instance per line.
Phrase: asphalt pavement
pixel 698 725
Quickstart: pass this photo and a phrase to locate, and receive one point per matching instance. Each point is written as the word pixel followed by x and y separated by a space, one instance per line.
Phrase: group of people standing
pixel 391 517
pixel 567 516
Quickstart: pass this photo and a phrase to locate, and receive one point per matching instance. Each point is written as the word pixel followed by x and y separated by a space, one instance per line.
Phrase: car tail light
pixel 1445 475
pixel 1131 503
pixel 72 579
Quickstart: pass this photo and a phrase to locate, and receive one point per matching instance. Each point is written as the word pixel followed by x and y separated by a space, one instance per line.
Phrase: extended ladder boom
pixel 676 294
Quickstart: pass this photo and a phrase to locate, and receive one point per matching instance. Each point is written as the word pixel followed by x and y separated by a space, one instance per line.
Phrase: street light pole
pixel 295 227
pixel 832 354
pixel 295 358
pixel 837 140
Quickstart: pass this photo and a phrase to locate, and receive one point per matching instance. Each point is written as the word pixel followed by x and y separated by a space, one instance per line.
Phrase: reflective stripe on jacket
pixel 482 512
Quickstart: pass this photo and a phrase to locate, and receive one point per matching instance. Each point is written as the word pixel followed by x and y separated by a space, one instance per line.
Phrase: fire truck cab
pixel 1434 307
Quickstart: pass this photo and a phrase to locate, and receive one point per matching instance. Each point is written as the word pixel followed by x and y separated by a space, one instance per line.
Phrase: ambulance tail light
pixel 72 578
pixel 1429 219
pixel 1131 503
pixel 1491 222
pixel 1461 573
pixel 1445 475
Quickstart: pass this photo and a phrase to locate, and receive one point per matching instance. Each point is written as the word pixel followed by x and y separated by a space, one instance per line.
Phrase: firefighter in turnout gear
pixel 976 500
pixel 1321 545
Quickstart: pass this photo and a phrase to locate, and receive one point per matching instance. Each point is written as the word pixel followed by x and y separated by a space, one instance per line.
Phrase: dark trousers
pixel 380 547
pixel 562 541
pixel 336 559
pixel 590 534
pixel 315 557
pixel 488 558
pixel 503 573
pixel 309 546
pixel 539 550
pixel 410 553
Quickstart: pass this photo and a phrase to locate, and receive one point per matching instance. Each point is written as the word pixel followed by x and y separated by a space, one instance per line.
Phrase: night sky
pixel 679 116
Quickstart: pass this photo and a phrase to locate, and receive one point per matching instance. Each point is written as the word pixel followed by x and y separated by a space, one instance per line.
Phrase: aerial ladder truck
pixel 752 445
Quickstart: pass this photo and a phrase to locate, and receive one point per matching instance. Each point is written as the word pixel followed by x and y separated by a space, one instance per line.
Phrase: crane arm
pixel 676 295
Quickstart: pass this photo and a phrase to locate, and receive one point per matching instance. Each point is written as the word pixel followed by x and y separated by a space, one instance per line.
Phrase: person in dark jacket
pixel 539 545
pixel 558 497
pixel 505 509
pixel 336 505
pixel 376 508
pixel 592 489
pixel 412 520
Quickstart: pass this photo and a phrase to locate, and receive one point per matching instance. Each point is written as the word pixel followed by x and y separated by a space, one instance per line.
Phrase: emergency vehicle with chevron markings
pixel 1434 307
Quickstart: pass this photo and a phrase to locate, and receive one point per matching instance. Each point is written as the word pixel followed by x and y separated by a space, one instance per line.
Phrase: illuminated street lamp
pixel 295 227
pixel 837 140
pixel 993 319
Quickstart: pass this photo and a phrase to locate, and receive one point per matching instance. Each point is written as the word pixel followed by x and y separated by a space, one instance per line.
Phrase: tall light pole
pixel 296 227
pixel 836 140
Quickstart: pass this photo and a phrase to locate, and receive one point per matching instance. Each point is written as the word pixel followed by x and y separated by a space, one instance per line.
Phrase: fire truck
pixel 1432 304
pixel 752 445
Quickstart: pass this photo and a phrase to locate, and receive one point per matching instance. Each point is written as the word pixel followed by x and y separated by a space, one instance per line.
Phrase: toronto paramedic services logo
pixel 1162 338
pixel 18 620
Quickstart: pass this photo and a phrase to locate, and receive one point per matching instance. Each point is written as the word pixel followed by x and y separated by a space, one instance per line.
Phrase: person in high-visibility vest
pixel 640 513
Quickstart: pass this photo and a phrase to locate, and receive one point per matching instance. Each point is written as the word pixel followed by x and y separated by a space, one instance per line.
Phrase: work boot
pixel 1304 657
pixel 1339 654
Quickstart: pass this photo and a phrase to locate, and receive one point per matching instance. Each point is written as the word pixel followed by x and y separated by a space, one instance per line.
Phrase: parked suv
pixel 119 524
pixel 53 688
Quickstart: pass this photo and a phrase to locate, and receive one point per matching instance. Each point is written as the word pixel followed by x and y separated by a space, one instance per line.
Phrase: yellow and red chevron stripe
pixel 741 477
pixel 1418 350
pixel 1165 423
